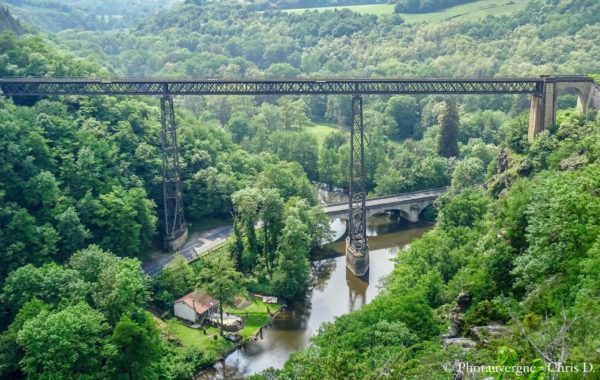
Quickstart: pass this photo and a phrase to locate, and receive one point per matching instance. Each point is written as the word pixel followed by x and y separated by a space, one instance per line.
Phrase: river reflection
pixel 334 292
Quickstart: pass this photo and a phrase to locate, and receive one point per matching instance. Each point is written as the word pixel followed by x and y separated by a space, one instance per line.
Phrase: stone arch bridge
pixel 410 205
pixel 544 102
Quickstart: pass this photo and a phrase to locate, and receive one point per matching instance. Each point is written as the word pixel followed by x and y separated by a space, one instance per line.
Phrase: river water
pixel 334 292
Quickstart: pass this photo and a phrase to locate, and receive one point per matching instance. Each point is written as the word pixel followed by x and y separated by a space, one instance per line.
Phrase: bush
pixel 464 210
pixel 180 365
pixel 485 312
pixel 260 285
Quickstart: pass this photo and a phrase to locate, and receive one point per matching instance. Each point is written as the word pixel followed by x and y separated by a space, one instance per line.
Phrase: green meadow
pixel 469 11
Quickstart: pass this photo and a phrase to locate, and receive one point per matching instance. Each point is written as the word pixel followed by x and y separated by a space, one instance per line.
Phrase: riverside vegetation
pixel 80 182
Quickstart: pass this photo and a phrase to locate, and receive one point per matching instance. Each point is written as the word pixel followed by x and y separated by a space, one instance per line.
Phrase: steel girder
pixel 357 222
pixel 121 86
pixel 173 204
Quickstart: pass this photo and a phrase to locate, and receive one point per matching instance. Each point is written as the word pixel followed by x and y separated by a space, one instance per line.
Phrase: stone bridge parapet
pixel 410 205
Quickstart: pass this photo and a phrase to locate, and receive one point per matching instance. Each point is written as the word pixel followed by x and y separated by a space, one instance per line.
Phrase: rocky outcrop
pixel 485 334
pixel 572 163
pixel 525 168
pixel 457 323
pixel 465 343
pixel 463 301
pixel 502 161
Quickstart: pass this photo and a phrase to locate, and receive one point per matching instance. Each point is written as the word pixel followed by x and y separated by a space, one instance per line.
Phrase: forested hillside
pixel 526 251
pixel 53 16
pixel 78 171
pixel 81 188
pixel 195 39
pixel 8 23
pixel 342 43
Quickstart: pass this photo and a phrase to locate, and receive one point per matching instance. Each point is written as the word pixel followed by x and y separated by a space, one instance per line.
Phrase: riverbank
pixel 256 315
pixel 333 292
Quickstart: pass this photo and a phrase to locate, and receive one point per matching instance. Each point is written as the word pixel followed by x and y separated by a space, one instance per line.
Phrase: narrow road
pixel 201 243
pixel 196 247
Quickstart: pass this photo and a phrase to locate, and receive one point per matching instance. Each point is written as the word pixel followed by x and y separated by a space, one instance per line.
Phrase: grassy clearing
pixel 255 316
pixel 375 9
pixel 211 343
pixel 471 11
pixel 463 12
pixel 320 131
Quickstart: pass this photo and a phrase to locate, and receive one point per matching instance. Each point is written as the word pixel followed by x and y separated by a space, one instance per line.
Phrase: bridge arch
pixel 409 211
pixel 544 105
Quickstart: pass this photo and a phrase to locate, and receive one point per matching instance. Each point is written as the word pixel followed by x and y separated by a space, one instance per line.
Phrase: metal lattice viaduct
pixel 543 93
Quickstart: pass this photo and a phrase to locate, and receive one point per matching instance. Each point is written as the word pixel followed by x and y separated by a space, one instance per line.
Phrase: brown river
pixel 334 292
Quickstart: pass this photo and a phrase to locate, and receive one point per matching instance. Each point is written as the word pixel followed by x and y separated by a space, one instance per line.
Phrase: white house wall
pixel 183 311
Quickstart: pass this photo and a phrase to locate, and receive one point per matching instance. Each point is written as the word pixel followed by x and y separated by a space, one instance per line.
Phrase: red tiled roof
pixel 198 301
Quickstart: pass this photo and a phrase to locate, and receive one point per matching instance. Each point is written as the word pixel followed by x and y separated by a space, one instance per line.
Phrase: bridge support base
pixel 175 243
pixel 356 262
pixel 544 103
pixel 536 117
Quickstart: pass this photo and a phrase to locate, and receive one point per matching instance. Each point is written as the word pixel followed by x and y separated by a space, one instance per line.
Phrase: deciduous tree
pixel 121 288
pixel 219 278
pixel 68 344
pixel 291 274
pixel 404 111
pixel 137 342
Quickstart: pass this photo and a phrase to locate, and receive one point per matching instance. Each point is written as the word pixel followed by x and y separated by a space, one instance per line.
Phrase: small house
pixel 195 307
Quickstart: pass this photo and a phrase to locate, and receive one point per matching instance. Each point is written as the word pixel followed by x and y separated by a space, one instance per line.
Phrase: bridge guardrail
pixel 444 189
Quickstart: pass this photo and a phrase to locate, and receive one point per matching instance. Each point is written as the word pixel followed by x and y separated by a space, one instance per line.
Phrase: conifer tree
pixel 449 124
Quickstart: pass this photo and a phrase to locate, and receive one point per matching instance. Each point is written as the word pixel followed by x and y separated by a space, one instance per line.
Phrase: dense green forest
pixel 195 39
pixel 87 170
pixel 525 249
pixel 81 185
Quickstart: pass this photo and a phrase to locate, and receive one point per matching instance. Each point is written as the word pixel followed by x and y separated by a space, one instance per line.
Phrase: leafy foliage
pixel 291 275
pixel 138 344
pixel 49 283
pixel 77 171
pixel 220 279
pixel 536 243
pixel 68 344
pixel 174 281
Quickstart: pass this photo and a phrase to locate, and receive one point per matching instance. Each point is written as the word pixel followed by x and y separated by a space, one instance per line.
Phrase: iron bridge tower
pixel 357 248
pixel 175 226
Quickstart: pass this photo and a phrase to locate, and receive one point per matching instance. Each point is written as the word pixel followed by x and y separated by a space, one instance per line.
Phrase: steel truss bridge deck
pixel 357 252
pixel 147 86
